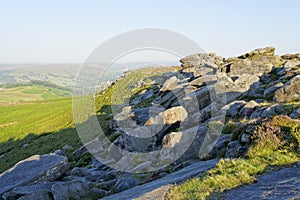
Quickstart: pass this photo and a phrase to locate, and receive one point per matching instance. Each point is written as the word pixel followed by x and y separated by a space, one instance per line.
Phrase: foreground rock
pixel 35 169
pixel 282 184
pixel 160 186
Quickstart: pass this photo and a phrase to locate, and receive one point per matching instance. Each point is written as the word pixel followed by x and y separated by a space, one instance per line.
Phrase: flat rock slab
pixel 38 168
pixel 280 185
pixel 158 188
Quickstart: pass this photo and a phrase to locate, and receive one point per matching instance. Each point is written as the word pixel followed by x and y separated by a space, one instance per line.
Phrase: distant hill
pixel 32 91
pixel 63 74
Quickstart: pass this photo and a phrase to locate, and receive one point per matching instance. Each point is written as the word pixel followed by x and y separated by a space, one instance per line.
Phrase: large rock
pixel 34 169
pixel 197 71
pixel 170 116
pixel 141 115
pixel 204 80
pixel 169 97
pixel 202 60
pixel 186 143
pixel 289 92
pixel 125 119
pixel 267 51
pixel 232 109
pixel 235 89
pixel 170 84
pixel 248 109
pixel 249 67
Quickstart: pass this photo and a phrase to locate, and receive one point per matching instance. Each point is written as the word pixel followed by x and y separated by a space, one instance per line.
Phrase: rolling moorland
pixel 261 133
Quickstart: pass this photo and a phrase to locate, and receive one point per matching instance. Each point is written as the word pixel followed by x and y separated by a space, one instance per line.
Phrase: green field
pixel 35 128
pixel 31 93
pixel 17 121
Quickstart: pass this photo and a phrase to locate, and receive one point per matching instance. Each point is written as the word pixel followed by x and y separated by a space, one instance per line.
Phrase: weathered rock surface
pixel 267 51
pixel 125 183
pixel 232 109
pixel 295 114
pixel 40 188
pixel 186 143
pixel 70 190
pixel 281 184
pixel 289 92
pixel 34 169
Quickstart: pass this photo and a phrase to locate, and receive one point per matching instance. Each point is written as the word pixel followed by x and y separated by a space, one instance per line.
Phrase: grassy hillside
pixel 41 127
pixel 17 121
pixel 35 128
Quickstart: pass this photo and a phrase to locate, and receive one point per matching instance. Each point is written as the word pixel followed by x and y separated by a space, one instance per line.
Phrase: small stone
pixel 295 114
pixel 250 129
pixel 232 149
pixel 59 152
pixel 245 138
pixel 248 109
pixel 242 151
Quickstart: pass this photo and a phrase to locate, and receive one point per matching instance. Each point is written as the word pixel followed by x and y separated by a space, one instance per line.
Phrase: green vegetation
pixel 275 142
pixel 29 93
pixel 35 128
pixel 17 121
pixel 229 127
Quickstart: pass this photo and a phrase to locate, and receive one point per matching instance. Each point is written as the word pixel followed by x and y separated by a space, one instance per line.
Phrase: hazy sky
pixel 68 30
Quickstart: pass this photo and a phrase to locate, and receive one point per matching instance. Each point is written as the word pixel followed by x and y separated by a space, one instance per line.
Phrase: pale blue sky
pixel 68 30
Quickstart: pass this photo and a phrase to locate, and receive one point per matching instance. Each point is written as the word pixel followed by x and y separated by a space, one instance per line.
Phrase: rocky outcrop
pixel 206 88
pixel 176 122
